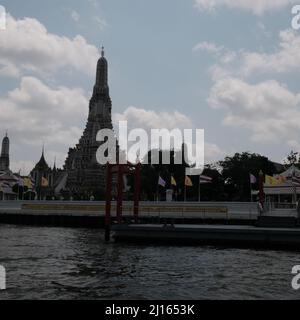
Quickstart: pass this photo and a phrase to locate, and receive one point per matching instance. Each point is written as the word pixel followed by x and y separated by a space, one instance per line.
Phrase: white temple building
pixel 286 190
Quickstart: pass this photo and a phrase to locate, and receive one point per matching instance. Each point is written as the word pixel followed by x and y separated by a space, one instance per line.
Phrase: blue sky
pixel 230 67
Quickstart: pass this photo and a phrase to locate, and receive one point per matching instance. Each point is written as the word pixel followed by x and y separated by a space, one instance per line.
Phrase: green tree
pixel 236 171
pixel 292 158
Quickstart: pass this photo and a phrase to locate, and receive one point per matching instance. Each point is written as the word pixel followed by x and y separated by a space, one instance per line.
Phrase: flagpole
pixel 199 194
pixel 157 189
pixel 184 189
pixel 295 188
pixel 251 199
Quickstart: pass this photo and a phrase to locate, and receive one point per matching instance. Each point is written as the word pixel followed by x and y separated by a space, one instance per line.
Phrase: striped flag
pixel 296 181
pixel 205 179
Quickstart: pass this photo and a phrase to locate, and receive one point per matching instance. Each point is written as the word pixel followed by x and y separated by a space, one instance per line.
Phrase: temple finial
pixel 102 52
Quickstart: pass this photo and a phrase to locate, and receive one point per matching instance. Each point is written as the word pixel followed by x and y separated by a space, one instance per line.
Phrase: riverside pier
pixel 221 223
pixel 92 213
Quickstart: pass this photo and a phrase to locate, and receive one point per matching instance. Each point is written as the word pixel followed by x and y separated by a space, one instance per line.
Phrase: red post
pixel 120 192
pixel 108 201
pixel 137 189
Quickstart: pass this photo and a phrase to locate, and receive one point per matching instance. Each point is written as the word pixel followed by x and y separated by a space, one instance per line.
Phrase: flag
pixel 295 181
pixel 45 182
pixel 252 178
pixel 280 179
pixel 161 181
pixel 27 182
pixel 173 181
pixel 271 181
pixel 205 179
pixel 188 182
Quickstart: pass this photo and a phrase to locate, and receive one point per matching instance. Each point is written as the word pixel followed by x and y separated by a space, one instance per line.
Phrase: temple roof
pixel 291 171
pixel 42 164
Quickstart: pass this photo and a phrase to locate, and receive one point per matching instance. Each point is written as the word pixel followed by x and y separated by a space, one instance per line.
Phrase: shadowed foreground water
pixel 62 263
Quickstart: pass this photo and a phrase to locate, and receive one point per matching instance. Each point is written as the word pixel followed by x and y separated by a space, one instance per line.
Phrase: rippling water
pixel 62 263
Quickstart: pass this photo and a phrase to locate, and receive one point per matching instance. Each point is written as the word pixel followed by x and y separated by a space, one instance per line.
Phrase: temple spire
pixel 4 158
pixel 101 86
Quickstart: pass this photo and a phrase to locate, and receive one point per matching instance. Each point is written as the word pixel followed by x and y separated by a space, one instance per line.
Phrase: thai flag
pixel 205 179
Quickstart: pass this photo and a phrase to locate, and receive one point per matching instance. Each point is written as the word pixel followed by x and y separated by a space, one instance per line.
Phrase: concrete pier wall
pixel 91 214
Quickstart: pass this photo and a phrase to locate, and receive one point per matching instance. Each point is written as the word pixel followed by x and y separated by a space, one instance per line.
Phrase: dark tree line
pixel 230 177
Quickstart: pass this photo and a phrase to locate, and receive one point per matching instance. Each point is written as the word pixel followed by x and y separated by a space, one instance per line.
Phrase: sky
pixel 230 67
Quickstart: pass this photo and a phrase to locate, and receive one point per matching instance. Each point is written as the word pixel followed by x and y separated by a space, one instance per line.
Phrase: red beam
pixel 120 193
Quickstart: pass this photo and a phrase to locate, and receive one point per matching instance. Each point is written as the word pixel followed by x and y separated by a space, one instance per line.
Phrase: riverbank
pixel 91 214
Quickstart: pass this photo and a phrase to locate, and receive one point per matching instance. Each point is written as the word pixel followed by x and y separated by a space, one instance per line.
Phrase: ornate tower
pixel 41 170
pixel 4 158
pixel 85 176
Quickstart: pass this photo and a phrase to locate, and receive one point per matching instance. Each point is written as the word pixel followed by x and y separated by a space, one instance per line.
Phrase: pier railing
pixel 197 210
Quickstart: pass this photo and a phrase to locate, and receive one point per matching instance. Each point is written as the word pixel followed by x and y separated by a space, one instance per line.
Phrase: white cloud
pixel 147 119
pixel 9 70
pixel 94 3
pixel 150 119
pixel 37 113
pixel 101 23
pixel 26 45
pixel 241 63
pixel 223 54
pixel 213 152
pixel 268 109
pixel 285 59
pixel 208 47
pixel 75 15
pixel 257 7
pixel 24 167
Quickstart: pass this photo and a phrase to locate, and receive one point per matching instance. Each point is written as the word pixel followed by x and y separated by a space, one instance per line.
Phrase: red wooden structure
pixel 121 170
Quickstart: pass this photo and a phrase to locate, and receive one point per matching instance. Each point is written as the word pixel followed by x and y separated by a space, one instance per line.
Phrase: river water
pixel 64 263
